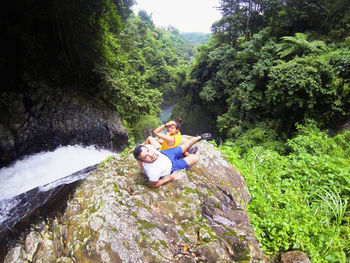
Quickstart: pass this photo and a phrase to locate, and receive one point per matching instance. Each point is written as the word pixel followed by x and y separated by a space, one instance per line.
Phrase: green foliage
pixel 244 75
pixel 299 201
pixel 144 127
pixel 303 88
pixel 299 46
pixel 262 135
pixel 99 48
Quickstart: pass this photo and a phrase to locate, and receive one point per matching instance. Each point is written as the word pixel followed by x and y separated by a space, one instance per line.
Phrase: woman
pixel 170 139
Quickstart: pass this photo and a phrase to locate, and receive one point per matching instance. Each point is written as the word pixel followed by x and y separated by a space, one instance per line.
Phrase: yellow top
pixel 177 137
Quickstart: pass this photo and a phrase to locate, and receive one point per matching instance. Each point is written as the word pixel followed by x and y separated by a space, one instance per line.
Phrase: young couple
pixel 158 161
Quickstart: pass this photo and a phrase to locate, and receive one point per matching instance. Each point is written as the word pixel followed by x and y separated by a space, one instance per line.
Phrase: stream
pixel 166 113
pixel 30 182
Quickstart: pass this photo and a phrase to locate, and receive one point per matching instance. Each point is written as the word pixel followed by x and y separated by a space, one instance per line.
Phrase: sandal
pixel 205 136
pixel 193 150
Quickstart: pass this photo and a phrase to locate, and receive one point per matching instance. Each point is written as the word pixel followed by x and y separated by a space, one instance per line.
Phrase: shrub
pixel 299 201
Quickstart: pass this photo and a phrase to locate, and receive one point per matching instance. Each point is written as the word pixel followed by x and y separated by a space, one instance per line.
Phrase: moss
pixel 134 214
pixel 144 236
pixel 163 243
pixel 155 245
pixel 139 203
pixel 114 229
pixel 209 193
pixel 188 172
pixel 210 232
pixel 92 209
pixel 181 232
pixel 103 163
pixel 231 232
pixel 224 183
pixel 116 189
pixel 189 190
pixel 146 225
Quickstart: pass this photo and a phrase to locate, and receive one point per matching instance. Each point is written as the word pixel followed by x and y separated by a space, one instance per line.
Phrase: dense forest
pixel 271 83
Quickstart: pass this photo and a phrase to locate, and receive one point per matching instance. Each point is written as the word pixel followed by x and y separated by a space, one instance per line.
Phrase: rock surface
pixel 114 217
pixel 295 257
pixel 43 119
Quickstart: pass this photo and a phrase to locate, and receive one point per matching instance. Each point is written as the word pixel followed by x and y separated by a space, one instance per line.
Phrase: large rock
pixel 295 257
pixel 43 119
pixel 114 217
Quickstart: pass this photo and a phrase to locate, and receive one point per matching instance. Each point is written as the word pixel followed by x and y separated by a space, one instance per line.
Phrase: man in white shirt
pixel 158 164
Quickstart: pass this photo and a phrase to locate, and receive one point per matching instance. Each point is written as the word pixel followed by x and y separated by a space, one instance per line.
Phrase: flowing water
pixel 166 113
pixel 36 174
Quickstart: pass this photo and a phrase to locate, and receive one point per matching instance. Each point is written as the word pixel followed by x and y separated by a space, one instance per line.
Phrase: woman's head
pixel 174 126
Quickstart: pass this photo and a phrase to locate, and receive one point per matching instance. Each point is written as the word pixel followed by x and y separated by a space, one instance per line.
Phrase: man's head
pixel 144 154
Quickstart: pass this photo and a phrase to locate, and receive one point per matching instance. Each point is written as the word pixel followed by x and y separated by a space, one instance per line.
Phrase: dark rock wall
pixel 44 119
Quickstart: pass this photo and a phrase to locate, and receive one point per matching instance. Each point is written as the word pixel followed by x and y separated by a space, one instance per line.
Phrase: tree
pixel 303 88
pixel 299 46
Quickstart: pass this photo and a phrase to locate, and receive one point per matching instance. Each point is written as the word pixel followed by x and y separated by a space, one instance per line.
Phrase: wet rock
pixel 42 120
pixel 15 255
pixel 114 217
pixel 32 243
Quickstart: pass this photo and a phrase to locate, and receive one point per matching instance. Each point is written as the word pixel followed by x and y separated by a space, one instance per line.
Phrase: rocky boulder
pixel 43 119
pixel 114 217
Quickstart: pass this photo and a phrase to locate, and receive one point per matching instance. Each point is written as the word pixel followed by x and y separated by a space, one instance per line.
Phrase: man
pixel 157 165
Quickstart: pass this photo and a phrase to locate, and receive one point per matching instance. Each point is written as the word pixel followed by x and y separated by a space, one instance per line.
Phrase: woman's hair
pixel 178 123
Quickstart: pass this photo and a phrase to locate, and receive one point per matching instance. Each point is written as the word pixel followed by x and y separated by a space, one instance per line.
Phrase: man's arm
pixel 172 177
pixel 141 166
pixel 161 181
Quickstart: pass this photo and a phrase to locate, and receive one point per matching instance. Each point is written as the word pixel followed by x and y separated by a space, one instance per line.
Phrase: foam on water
pixel 46 167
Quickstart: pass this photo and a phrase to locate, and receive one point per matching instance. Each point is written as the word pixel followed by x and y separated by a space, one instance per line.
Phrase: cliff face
pixel 43 119
pixel 114 217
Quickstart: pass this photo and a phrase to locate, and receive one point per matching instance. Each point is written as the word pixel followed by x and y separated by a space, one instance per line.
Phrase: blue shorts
pixel 174 154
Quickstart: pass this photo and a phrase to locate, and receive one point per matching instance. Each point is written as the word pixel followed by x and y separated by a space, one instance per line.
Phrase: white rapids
pixel 46 167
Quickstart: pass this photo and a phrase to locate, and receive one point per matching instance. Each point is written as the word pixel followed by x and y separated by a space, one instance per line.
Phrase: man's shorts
pixel 174 154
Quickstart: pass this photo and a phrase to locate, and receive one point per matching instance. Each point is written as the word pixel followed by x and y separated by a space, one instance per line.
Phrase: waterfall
pixel 166 113
pixel 31 181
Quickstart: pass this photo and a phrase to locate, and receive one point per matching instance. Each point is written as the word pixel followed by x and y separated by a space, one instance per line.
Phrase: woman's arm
pixel 169 139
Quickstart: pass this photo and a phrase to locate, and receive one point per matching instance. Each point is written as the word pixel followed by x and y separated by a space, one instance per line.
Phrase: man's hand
pixel 176 176
pixel 173 177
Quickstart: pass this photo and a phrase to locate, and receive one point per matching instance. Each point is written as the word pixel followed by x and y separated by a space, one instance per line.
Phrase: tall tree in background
pixel 243 18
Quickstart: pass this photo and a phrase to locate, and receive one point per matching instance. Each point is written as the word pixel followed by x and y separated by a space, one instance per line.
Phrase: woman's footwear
pixel 193 150
pixel 205 136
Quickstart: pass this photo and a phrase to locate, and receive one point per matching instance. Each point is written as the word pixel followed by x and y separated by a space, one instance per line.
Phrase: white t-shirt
pixel 159 168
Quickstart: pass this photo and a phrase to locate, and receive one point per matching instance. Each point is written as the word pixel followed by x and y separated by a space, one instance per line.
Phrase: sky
pixel 185 15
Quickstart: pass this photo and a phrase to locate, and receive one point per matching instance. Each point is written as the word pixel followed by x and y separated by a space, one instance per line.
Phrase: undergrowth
pixel 299 199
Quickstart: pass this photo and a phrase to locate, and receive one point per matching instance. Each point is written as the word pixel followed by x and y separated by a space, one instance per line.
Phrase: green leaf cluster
pixel 263 79
pixel 99 49
pixel 299 200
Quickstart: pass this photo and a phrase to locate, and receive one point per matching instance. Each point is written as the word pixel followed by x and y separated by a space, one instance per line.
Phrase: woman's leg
pixel 188 144
pixel 153 141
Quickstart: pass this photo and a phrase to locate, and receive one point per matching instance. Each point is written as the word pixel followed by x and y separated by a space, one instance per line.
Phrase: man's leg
pixel 191 159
